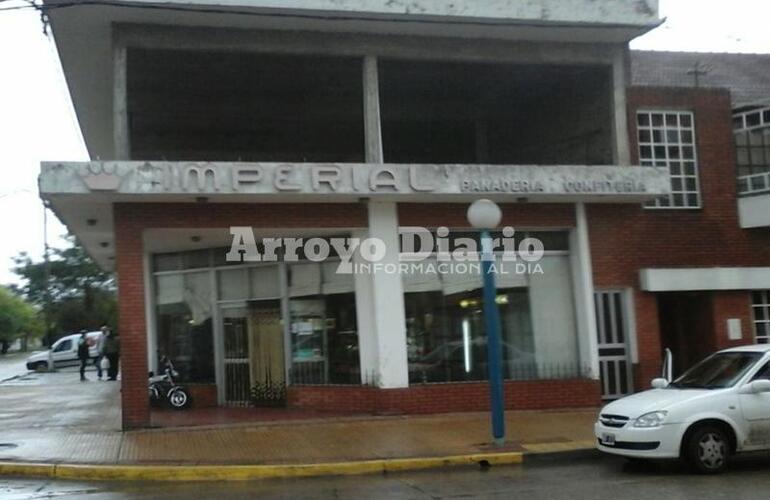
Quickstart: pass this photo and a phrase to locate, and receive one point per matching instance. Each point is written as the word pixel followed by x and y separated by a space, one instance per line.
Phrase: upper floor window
pixel 752 149
pixel 667 139
pixel 760 308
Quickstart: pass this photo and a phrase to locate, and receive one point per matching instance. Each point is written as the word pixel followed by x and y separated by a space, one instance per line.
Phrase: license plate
pixel 608 439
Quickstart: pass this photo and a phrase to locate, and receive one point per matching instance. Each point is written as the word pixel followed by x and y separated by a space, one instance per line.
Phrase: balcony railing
pixel 750 185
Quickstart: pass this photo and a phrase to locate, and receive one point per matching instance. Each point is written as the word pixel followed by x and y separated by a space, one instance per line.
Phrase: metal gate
pixel 253 354
pixel 614 356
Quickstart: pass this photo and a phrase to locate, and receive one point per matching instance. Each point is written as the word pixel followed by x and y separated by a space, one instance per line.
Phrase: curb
pixel 248 472
pixel 568 455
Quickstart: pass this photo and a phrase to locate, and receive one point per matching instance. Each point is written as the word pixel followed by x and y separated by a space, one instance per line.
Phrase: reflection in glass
pixel 183 304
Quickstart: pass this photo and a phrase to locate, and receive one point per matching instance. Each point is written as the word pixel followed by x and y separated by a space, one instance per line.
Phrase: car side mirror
pixel 659 383
pixel 756 387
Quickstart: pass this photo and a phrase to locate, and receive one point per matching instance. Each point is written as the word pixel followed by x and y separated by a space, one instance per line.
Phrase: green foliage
pixel 17 317
pixel 72 292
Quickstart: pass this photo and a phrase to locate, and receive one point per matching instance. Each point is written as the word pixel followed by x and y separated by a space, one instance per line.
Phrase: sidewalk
pixel 341 439
pixel 78 432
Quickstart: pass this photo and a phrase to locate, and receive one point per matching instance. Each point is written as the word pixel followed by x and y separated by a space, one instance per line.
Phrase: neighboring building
pixel 322 118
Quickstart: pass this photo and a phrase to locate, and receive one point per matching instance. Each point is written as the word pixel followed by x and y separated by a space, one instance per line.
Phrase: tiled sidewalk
pixel 78 423
pixel 293 442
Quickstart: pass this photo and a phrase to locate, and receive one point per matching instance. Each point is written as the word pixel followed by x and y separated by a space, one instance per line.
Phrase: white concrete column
pixel 367 331
pixel 120 127
pixel 583 286
pixel 149 313
pixel 379 294
pixel 622 150
pixel 372 124
pixel 387 295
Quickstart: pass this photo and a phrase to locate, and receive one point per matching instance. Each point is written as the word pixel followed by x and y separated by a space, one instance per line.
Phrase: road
pixel 12 365
pixel 548 479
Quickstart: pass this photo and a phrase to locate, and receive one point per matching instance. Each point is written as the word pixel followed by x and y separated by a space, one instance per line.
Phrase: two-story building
pixel 321 119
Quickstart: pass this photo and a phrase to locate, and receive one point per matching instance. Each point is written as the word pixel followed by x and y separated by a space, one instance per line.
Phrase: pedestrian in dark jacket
pixel 83 354
pixel 112 353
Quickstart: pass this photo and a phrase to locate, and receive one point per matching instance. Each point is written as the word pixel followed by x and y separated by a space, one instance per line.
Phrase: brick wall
pixel 450 397
pixel 627 238
pixel 516 215
pixel 731 304
pixel 624 239
pixel 202 395
pixel 129 255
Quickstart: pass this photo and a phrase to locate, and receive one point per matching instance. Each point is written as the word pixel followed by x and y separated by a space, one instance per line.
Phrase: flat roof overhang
pixel 704 279
pixel 82 194
pixel 84 33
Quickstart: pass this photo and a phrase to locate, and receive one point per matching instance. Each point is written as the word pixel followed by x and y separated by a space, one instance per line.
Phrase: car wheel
pixel 708 450
pixel 41 366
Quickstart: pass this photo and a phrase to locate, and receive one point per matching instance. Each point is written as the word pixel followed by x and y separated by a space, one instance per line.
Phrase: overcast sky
pixel 37 121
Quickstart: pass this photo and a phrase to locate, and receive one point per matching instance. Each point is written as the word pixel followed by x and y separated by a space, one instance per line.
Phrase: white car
pixel 63 352
pixel 718 408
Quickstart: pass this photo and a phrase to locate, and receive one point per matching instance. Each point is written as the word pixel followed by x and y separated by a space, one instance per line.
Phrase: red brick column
pixel 132 324
pixel 648 340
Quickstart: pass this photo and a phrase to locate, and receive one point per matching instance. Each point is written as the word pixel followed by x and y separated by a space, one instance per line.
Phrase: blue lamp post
pixel 485 215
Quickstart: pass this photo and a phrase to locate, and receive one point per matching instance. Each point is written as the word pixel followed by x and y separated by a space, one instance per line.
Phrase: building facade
pixel 336 120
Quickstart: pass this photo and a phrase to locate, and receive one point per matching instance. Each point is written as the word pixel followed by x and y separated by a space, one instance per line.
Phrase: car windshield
pixel 719 371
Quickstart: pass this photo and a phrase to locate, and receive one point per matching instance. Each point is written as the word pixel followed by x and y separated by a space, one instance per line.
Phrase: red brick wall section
pixel 450 397
pixel 264 215
pixel 202 395
pixel 732 304
pixel 132 326
pixel 647 340
pixel 516 215
pixel 627 238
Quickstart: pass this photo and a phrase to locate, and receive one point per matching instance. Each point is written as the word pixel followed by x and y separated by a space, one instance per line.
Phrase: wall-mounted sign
pixel 351 179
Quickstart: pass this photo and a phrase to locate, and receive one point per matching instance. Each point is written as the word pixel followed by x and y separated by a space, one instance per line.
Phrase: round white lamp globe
pixel 484 214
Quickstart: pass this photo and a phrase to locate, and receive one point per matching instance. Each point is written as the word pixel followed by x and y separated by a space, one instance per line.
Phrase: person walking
pixel 83 354
pixel 112 352
pixel 100 352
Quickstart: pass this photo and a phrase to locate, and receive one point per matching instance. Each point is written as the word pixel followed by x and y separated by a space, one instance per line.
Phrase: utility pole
pixel 47 279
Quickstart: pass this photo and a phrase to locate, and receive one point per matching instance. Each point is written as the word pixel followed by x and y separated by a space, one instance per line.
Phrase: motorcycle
pixel 164 388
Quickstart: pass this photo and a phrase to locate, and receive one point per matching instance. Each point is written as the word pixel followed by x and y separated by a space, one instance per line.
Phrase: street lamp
pixel 485 215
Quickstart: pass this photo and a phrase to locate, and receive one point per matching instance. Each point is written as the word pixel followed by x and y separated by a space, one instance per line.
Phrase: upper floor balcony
pixel 184 105
pixel 752 142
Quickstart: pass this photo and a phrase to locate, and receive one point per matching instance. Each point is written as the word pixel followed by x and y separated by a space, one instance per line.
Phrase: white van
pixel 64 352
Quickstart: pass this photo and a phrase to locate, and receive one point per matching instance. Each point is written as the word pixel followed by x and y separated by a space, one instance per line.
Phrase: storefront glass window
pixel 184 303
pixel 446 338
pixel 324 340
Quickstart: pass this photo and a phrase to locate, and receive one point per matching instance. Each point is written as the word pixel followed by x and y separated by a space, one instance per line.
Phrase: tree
pixel 72 292
pixel 18 319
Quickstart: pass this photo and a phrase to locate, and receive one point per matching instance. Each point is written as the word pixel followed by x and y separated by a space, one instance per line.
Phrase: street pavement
pixel 596 478
pixel 13 365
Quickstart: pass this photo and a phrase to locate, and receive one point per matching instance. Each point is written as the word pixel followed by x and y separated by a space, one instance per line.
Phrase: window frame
pixel 763 373
pixel 763 304
pixel 653 161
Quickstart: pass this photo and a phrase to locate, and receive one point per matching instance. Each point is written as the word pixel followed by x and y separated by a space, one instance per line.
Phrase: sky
pixel 37 121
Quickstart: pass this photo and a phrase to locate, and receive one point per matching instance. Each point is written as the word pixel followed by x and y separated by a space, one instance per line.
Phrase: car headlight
pixel 652 419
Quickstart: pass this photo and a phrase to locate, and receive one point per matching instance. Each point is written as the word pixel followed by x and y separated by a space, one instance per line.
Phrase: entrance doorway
pixel 254 366
pixel 686 328
pixel 613 343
